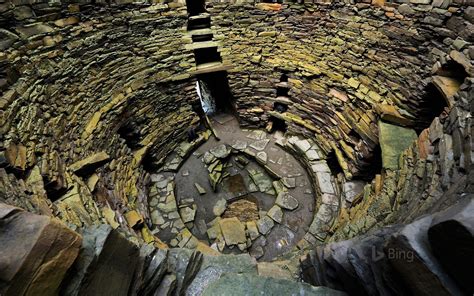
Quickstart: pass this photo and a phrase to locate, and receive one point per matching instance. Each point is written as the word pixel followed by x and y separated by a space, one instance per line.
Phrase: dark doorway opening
pixel 217 84
pixel 432 105
pixel 331 160
pixel 54 190
pixel 207 55
pixel 453 70
pixel 195 7
pixel 280 107
pixel 278 124
pixel 438 94
pixel 282 91
pixel 371 165
pixel 130 133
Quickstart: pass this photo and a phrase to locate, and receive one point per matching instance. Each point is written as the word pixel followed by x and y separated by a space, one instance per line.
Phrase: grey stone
pixel 451 237
pixel 259 145
pixel 276 214
pixel 286 201
pixel 265 224
pixel 239 145
pixel 200 189
pixel 405 9
pixel 320 166
pixel 188 214
pixel 106 256
pixel 247 284
pixel 289 182
pixel 221 151
pixel 324 182
pixel 261 157
pixel 219 207
pixel 303 145
pixel 416 263
pixel 312 155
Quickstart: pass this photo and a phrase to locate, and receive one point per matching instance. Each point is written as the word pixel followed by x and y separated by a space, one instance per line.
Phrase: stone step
pixel 203 45
pixel 210 68
pixel 282 100
pixel 282 84
pixel 198 32
pixel 200 16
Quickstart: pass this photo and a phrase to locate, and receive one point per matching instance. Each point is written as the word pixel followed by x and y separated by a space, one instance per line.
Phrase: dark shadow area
pixel 218 85
pixel 280 107
pixel 201 38
pixel 206 55
pixel 432 105
pixel 371 165
pixel 130 134
pixel 453 70
pixel 199 22
pixel 195 7
pixel 434 101
pixel 54 190
pixel 278 125
pixel 282 91
pixel 333 164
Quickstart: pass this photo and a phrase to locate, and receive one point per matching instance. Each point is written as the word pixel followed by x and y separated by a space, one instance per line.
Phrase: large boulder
pixel 35 252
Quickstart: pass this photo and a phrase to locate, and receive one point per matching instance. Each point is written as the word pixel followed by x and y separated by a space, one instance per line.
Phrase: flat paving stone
pixel 265 224
pixel 221 151
pixel 239 145
pixel 260 145
pixel 233 231
pixel 276 214
pixel 286 201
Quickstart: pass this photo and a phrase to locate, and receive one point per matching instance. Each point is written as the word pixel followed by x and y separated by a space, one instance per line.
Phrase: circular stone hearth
pixel 244 192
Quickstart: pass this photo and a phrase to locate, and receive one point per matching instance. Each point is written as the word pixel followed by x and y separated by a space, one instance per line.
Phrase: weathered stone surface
pixel 36 252
pixel 416 264
pixel 276 214
pixel 150 270
pixel 451 237
pixel 106 257
pixel 244 284
pixel 286 201
pixel 265 224
pixel 219 207
pixel 393 140
pixel 221 151
pixel 233 231
pixel 90 163
pixel 200 189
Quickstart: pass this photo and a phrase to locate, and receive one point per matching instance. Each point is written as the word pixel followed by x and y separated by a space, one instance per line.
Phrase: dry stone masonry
pixel 196 147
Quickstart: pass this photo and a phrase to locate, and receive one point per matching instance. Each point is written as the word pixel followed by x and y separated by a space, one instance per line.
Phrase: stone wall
pixel 91 91
pixel 88 93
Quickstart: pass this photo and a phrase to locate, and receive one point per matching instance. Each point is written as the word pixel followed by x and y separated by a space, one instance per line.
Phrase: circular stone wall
pixel 96 101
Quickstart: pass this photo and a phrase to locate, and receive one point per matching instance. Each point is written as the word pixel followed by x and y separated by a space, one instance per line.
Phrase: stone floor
pixel 267 162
